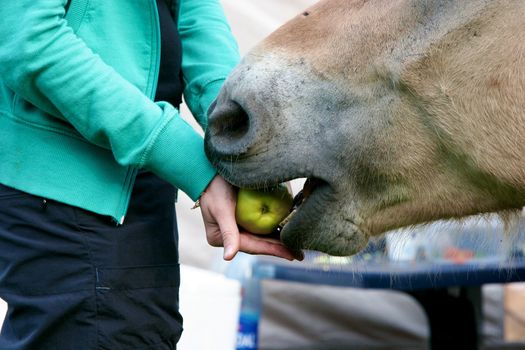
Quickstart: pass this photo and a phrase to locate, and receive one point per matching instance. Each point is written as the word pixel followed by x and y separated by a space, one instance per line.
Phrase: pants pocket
pixel 137 307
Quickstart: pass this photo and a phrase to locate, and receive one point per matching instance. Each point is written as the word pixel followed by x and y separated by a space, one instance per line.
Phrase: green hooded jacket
pixel 77 120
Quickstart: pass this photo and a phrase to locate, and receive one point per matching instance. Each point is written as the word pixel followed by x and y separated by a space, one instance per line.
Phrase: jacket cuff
pixel 177 155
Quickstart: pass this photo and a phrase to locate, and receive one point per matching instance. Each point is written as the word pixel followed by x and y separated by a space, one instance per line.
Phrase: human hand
pixel 217 205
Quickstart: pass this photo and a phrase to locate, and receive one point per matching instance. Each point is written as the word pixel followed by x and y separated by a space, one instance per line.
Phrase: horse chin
pixel 317 224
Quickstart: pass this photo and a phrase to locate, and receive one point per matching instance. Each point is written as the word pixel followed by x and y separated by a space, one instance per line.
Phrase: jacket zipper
pixel 132 171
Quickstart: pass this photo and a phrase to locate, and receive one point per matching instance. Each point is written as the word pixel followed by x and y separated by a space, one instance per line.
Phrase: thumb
pixel 230 238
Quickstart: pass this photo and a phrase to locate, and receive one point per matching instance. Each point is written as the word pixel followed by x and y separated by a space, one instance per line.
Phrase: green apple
pixel 261 211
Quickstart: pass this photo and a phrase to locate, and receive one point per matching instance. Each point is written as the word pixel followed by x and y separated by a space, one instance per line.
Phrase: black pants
pixel 74 280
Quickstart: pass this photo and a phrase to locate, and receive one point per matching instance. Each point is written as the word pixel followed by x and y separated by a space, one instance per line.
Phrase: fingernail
pixel 228 253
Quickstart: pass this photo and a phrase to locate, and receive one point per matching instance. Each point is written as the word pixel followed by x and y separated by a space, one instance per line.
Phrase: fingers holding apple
pixel 261 211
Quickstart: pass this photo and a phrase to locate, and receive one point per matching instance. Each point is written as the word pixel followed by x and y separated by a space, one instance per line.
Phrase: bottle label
pixel 247 332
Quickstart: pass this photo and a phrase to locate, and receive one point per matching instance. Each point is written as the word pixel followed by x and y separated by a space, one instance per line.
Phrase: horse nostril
pixel 228 126
pixel 228 121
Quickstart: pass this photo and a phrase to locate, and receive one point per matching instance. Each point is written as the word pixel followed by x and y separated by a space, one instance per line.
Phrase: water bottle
pixel 241 269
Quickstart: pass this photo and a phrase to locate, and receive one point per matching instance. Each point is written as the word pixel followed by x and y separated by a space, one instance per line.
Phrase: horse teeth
pixel 288 218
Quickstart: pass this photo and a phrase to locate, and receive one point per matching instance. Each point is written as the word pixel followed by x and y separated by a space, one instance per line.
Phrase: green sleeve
pixel 209 53
pixel 43 61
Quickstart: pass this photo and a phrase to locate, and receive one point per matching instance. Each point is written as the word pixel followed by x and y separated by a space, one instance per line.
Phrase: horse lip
pixel 306 228
pixel 309 193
